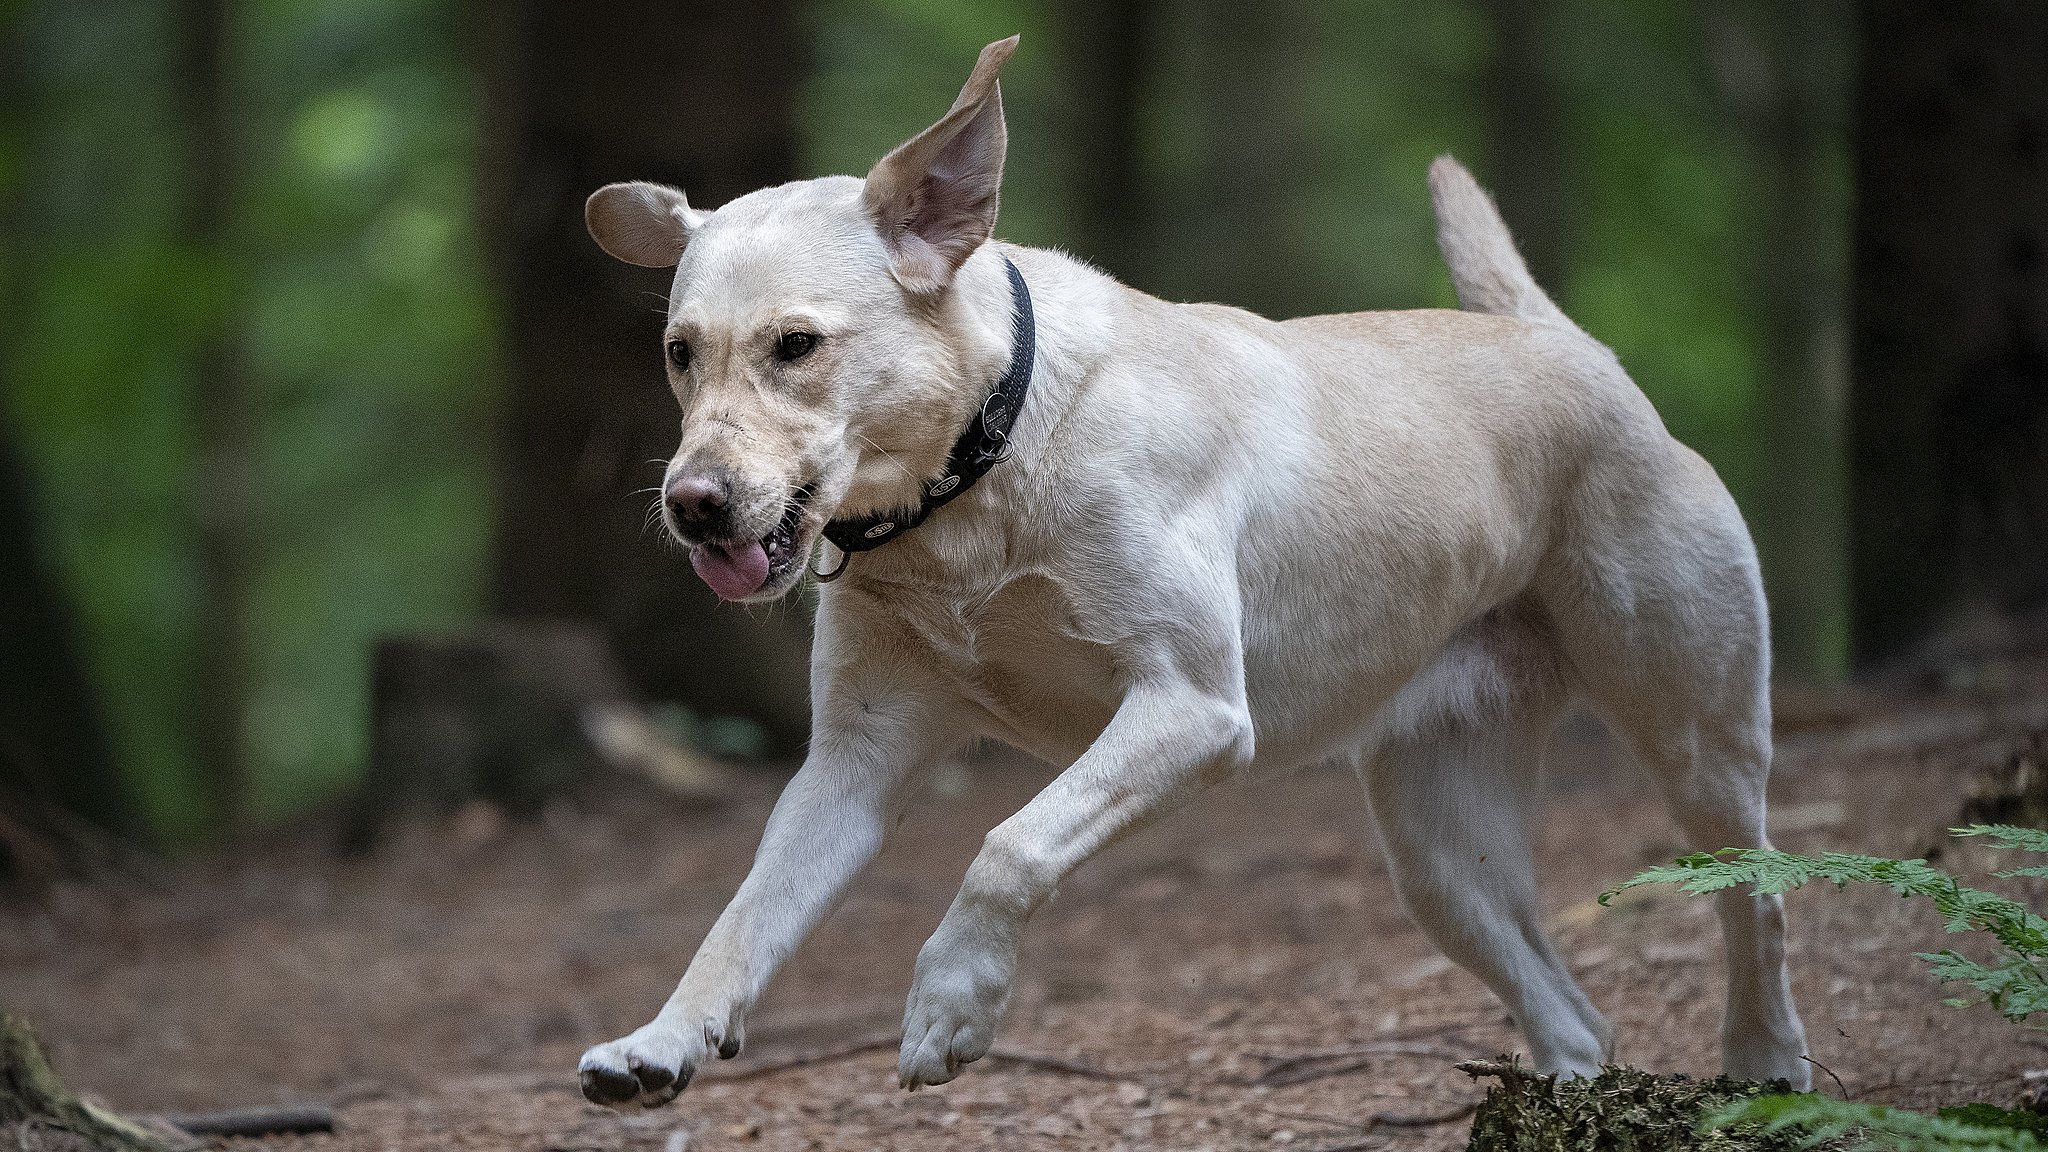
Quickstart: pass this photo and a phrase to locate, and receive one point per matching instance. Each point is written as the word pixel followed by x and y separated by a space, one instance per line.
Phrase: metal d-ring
pixel 845 559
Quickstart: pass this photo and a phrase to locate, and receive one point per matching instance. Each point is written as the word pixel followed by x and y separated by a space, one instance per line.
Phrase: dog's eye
pixel 679 354
pixel 795 345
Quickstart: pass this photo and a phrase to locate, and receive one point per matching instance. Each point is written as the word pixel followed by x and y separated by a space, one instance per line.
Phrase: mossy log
pixel 37 1111
pixel 1620 1110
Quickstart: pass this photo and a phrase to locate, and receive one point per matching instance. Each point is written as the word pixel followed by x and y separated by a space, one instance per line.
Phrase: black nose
pixel 697 501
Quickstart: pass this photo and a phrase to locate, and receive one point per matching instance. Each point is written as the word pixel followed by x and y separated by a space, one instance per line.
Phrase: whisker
pixel 889 456
pixel 655 524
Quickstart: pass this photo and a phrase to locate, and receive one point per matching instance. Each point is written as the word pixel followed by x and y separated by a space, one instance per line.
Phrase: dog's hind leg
pixel 1664 629
pixel 1701 728
pixel 1452 782
pixel 1712 773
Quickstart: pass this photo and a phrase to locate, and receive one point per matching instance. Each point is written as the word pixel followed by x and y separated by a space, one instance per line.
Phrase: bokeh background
pixel 304 346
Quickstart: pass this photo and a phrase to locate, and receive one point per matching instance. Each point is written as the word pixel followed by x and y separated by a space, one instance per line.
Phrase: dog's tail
pixel 1485 268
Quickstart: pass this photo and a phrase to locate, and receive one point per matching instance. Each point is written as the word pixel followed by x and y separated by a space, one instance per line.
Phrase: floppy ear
pixel 934 198
pixel 641 223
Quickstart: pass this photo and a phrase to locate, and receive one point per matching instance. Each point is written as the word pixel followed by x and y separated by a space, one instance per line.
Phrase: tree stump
pixel 512 712
pixel 2014 791
pixel 38 1112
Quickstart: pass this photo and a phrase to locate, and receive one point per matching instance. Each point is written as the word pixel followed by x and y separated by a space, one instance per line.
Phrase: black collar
pixel 981 447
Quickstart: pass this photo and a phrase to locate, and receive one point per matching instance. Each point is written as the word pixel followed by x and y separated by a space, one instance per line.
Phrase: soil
pixel 438 990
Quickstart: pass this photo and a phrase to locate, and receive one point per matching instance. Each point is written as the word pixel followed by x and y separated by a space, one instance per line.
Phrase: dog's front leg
pixel 876 722
pixel 1164 743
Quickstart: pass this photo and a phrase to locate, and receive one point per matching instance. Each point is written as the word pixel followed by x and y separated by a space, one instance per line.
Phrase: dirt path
pixel 439 992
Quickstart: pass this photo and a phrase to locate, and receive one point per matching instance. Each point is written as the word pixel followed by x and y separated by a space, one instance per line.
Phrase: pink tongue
pixel 734 571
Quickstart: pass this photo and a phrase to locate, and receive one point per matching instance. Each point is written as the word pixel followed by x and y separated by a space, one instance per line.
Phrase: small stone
pixel 1132 1095
pixel 1282 1136
pixel 678 1141
pixel 474 825
pixel 744 1130
pixel 1053 1126
pixel 2034 1092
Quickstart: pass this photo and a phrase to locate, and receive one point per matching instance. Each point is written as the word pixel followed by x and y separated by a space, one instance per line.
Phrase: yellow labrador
pixel 1167 544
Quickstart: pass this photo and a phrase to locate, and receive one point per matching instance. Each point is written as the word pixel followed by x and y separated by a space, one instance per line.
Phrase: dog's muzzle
pixel 738 568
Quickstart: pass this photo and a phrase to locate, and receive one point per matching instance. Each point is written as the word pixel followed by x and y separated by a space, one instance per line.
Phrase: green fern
pixel 1815 1120
pixel 2010 836
pixel 2013 982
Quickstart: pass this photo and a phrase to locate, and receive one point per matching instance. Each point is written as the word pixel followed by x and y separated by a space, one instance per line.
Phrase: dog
pixel 1164 545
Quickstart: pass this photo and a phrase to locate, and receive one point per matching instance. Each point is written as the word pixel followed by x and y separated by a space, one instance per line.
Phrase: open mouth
pixel 737 569
pixel 781 543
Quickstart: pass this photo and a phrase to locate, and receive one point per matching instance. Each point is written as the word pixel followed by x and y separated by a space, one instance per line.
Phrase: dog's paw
pixel 950 1021
pixel 1759 1055
pixel 650 1067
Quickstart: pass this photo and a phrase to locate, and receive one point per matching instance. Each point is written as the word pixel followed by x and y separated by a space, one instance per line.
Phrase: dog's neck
pixel 973 320
pixel 988 532
pixel 982 445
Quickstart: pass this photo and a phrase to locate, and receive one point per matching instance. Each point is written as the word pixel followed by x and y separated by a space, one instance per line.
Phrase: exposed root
pixel 39 1112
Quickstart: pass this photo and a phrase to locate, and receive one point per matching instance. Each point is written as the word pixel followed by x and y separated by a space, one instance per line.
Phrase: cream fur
pixel 1222 547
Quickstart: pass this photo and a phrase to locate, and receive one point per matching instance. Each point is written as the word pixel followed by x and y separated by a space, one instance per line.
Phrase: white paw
pixel 649 1067
pixel 950 1022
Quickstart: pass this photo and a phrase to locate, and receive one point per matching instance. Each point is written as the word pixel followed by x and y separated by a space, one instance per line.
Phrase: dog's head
pixel 814 339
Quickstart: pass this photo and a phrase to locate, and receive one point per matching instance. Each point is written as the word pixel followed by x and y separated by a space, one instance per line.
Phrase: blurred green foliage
pixel 355 297
pixel 354 302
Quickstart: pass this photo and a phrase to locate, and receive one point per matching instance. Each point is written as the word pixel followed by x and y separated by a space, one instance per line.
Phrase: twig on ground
pixel 1393 1120
pixel 1305 1066
pixel 717 1075
pixel 1916 1082
pixel 1317 1118
pixel 1454 1030
pixel 295 1119
pixel 1390 1120
pixel 1052 1064
pixel 1839 1086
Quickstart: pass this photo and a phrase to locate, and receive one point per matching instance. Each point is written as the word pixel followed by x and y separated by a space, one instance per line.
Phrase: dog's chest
pixel 1022 656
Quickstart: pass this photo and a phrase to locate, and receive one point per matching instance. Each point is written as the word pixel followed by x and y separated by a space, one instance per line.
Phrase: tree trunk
pixel 1948 473
pixel 221 412
pixel 1793 103
pixel 56 768
pixel 53 758
pixel 1525 150
pixel 1105 47
pixel 697 94
pixel 1238 231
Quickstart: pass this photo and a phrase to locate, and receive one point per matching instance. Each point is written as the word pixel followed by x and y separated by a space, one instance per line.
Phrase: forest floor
pixel 437 991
